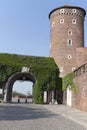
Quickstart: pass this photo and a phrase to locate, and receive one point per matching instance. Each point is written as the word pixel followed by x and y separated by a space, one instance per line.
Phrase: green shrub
pixel 68 80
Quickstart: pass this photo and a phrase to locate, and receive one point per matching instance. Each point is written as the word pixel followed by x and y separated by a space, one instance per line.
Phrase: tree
pixel 28 93
pixel 14 93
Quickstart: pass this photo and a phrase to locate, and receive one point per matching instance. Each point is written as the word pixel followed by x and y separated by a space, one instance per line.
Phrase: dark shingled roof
pixel 67 6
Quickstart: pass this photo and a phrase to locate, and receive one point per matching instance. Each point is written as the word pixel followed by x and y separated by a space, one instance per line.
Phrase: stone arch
pixel 9 84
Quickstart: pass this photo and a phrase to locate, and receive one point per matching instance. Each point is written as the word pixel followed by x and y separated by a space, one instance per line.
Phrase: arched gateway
pixel 9 84
pixel 42 71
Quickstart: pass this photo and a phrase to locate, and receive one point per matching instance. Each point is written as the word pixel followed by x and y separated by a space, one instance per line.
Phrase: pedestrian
pixel 26 100
pixel 18 100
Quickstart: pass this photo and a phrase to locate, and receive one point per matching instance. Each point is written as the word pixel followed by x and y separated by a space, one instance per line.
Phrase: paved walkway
pixel 34 117
pixel 24 116
pixel 70 113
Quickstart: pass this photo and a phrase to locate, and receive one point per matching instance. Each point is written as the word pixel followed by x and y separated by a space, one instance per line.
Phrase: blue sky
pixel 24 25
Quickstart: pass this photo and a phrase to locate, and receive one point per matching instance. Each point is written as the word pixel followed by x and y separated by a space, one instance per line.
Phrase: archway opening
pixel 0 91
pixel 20 76
pixel 22 90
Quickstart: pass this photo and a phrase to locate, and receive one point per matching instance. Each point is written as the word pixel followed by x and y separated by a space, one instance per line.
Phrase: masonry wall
pixel 67 48
pixel 66 34
pixel 79 99
pixel 81 55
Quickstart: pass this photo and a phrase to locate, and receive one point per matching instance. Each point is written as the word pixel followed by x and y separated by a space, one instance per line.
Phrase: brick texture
pixel 60 25
pixel 67 48
pixel 79 99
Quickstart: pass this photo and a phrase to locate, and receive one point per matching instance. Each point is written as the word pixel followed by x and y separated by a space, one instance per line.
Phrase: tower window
pixel 61 10
pixel 61 69
pixel 53 24
pixel 69 41
pixel 69 56
pixel 61 21
pixel 73 68
pixel 73 21
pixel 69 32
pixel 73 10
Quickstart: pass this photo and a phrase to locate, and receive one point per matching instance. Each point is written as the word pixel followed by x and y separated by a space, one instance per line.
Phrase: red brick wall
pixel 79 99
pixel 59 48
pixel 81 54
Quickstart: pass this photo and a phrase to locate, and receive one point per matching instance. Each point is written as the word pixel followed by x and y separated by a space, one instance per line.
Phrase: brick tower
pixel 66 35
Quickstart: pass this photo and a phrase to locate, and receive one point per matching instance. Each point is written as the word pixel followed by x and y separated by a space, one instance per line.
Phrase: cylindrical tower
pixel 66 34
